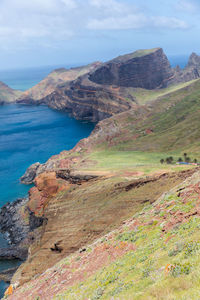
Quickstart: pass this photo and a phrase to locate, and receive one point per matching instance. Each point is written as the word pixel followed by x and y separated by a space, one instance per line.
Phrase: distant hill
pixel 53 80
pixel 170 122
pixel 8 95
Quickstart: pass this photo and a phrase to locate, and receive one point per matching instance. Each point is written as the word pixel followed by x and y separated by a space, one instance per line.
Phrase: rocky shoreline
pixel 12 225
pixel 16 225
pixel 14 231
pixel 7 275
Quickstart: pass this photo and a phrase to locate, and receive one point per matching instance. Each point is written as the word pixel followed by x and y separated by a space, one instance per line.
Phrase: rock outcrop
pixel 148 69
pixel 13 253
pixel 100 90
pixel 89 101
pixel 17 223
pixel 109 89
pixel 30 174
pixel 194 62
pixel 12 223
pixel 7 274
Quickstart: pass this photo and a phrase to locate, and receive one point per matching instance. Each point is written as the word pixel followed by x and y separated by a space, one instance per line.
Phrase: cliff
pixel 98 91
pixel 108 89
pixel 194 62
pixel 149 69
pixel 86 100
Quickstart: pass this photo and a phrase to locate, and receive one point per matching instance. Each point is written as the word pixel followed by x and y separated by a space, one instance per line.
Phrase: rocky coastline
pixel 12 226
pixel 17 220
pixel 17 223
pixel 107 89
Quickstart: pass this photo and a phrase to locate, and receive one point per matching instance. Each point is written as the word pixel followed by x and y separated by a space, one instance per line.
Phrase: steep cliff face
pixel 98 91
pixel 149 69
pixel 112 87
pixel 194 62
pixel 89 101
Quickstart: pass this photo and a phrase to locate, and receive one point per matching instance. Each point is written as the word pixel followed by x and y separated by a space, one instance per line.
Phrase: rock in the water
pixel 30 174
pixel 17 220
pixel 13 253
pixel 7 274
pixel 12 225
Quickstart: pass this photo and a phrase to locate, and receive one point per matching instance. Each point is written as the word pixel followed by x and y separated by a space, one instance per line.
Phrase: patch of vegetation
pixel 127 236
pixel 171 160
pixel 178 269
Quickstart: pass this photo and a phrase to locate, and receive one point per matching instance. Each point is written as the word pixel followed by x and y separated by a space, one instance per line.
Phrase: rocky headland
pixel 82 197
pixel 8 95
pixel 101 90
pixel 48 85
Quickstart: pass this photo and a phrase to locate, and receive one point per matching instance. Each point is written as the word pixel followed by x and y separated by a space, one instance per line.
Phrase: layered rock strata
pixel 98 91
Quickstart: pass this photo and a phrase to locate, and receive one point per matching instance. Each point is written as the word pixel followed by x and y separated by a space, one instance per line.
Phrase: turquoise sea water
pixel 29 134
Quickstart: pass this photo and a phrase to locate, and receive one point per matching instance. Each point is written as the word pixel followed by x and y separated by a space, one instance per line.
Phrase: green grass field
pixel 144 96
pixel 140 163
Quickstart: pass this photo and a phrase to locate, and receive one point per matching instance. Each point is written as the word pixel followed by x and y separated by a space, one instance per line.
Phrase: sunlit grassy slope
pixel 144 96
pixel 171 123
pixel 165 263
pixel 137 140
pixel 153 255
pixel 131 163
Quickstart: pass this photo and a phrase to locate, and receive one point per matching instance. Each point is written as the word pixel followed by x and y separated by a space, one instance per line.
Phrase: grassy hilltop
pixel 138 139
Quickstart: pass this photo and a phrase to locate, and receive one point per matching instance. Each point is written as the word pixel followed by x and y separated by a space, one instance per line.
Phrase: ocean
pixel 29 134
pixel 34 133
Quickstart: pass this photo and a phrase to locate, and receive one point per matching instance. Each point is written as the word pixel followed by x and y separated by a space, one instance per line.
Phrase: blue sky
pixel 56 32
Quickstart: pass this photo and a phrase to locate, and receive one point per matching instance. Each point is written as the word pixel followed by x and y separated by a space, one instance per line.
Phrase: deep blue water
pixel 29 134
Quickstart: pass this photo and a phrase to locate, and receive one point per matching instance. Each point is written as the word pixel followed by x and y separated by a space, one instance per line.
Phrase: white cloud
pixel 125 16
pixel 189 6
pixel 110 6
pixel 133 21
pixel 169 22
pixel 21 20
pixel 43 22
pixel 136 21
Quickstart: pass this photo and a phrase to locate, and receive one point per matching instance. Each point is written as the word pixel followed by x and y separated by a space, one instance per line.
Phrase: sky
pixel 74 32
